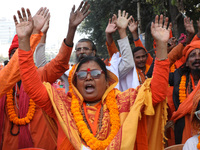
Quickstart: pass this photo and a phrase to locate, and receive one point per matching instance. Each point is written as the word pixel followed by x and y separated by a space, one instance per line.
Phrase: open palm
pixel 40 18
pixel 76 17
pixel 24 27
pixel 159 31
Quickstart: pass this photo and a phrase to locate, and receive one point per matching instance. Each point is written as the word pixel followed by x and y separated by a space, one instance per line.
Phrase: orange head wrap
pixel 190 47
pixel 14 44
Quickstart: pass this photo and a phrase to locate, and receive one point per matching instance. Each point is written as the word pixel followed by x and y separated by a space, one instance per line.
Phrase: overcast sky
pixel 59 10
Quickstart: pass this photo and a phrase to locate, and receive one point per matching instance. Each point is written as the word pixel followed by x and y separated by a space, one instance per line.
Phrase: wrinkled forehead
pixel 84 44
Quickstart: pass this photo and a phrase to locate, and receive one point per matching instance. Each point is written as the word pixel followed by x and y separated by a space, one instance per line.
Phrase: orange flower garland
pixel 182 89
pixel 88 137
pixel 11 111
pixel 172 68
pixel 198 145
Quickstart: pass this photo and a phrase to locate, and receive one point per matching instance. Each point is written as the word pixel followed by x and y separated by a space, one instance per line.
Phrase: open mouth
pixel 196 64
pixel 89 88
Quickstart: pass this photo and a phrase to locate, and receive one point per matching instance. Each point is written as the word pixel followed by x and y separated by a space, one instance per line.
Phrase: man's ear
pixel 93 53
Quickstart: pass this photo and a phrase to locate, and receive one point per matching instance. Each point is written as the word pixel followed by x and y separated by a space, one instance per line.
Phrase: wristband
pixel 160 59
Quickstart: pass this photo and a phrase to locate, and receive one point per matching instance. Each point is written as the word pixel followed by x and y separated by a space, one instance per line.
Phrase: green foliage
pixel 101 10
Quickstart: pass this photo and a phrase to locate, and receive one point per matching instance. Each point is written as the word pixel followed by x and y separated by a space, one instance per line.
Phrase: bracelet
pixel 161 59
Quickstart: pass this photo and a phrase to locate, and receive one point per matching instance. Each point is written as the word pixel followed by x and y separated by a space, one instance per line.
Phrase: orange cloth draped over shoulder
pixel 141 76
pixel 134 132
pixel 9 75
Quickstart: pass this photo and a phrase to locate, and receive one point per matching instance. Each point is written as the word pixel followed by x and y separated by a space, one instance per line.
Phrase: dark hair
pixel 97 60
pixel 90 41
pixel 137 49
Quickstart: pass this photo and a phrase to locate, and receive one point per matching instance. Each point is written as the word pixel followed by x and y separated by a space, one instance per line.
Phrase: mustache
pixel 81 56
pixel 196 61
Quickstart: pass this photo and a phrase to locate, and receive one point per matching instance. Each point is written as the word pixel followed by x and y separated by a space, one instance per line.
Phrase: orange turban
pixel 190 47
pixel 14 44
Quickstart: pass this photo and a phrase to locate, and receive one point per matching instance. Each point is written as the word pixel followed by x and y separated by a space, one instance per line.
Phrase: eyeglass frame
pixel 102 72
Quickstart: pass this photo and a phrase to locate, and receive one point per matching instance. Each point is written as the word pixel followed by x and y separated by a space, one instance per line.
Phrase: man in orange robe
pixel 183 89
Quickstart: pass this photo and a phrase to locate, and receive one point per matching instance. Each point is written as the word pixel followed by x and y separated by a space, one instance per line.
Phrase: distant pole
pixel 139 18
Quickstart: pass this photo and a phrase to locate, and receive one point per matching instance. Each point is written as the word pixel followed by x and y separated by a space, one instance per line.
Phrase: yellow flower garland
pixel 182 89
pixel 11 111
pixel 88 137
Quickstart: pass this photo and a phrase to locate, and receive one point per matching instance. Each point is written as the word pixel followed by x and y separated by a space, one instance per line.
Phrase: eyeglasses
pixel 95 74
pixel 197 113
pixel 78 49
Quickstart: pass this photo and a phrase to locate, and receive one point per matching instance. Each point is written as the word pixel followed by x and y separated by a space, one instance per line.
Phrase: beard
pixel 80 57
pixel 196 71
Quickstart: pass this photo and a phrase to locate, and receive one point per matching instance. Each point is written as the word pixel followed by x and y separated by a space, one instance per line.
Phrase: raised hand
pixel 122 20
pixel 25 25
pixel 76 17
pixel 24 28
pixel 159 31
pixel 39 19
pixel 46 25
pixel 189 26
pixel 133 25
pixel 111 27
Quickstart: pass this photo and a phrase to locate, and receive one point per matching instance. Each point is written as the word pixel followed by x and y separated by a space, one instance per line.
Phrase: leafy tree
pixel 101 10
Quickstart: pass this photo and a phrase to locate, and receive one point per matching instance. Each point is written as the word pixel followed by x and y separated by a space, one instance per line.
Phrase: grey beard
pixel 81 56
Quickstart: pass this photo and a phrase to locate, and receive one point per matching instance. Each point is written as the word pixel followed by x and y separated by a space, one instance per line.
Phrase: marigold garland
pixel 11 111
pixel 172 68
pixel 88 137
pixel 198 145
pixel 182 89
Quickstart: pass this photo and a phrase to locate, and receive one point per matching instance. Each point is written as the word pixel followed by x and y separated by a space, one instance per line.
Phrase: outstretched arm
pixel 189 27
pixel 40 59
pixel 10 74
pixel 127 63
pixel 57 66
pixel 76 17
pixel 110 29
pixel 31 81
pixel 133 27
pixel 159 83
